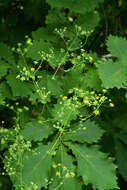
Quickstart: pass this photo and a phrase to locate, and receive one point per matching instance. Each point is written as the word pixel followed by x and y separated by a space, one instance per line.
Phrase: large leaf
pixel 36 167
pixel 80 6
pixel 84 132
pixel 118 48
pixel 37 130
pixel 112 74
pixel 94 167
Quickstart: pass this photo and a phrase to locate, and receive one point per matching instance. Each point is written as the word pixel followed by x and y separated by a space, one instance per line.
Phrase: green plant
pixel 63 102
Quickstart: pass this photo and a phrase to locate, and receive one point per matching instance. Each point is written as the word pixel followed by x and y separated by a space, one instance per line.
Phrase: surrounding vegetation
pixel 63 94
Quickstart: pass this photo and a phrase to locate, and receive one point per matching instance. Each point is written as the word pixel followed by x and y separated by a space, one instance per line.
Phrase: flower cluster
pixel 26 74
pixel 62 171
